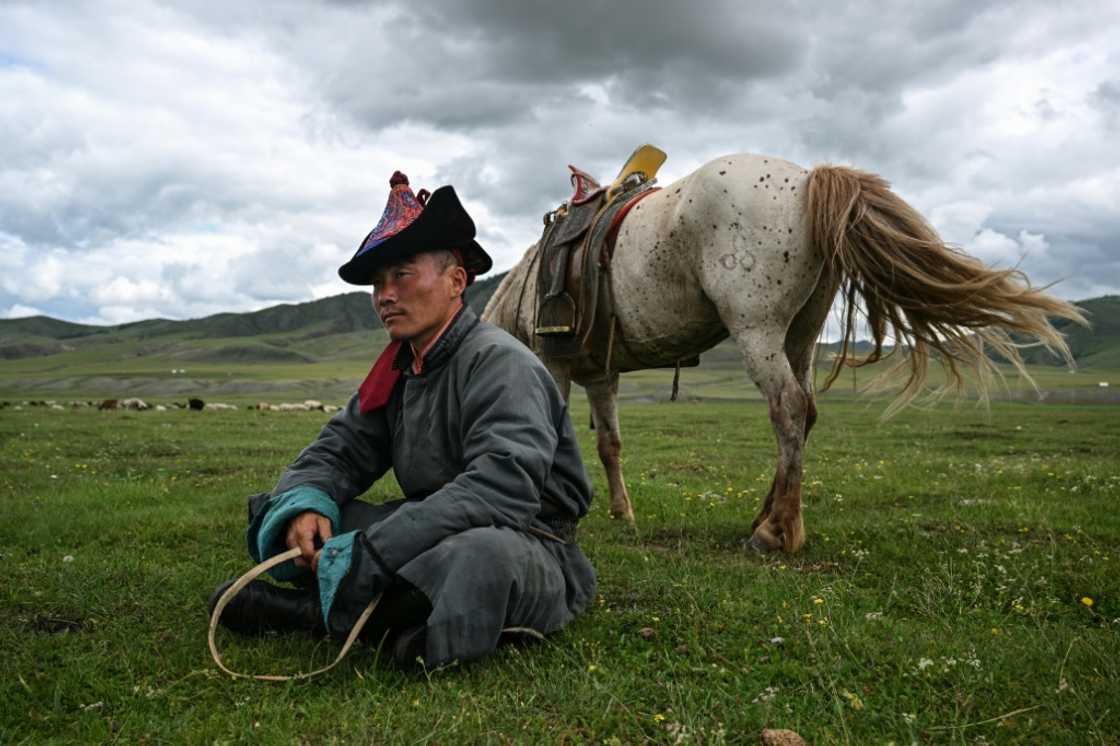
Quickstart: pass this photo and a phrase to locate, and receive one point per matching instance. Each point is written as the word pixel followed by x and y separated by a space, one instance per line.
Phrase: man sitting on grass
pixel 479 439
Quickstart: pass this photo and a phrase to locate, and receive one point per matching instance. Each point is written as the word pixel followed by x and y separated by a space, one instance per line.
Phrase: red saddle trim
pixel 375 391
pixel 616 223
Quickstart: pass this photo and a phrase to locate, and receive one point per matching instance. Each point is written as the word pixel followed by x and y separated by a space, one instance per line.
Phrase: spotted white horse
pixel 757 248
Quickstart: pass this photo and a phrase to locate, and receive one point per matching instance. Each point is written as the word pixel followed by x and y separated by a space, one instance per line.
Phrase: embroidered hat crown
pixel 414 223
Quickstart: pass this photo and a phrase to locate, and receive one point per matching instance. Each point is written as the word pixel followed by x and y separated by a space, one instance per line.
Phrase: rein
pixel 249 577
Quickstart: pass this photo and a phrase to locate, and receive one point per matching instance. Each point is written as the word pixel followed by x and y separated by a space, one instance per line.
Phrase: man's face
pixel 415 297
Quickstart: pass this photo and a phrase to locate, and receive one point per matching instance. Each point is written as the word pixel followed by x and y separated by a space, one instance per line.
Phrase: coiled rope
pixel 249 577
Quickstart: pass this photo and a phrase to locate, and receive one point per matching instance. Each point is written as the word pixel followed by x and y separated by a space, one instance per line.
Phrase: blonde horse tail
pixel 931 298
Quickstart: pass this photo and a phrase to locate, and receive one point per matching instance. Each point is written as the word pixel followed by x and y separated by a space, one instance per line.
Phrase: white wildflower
pixel 766 695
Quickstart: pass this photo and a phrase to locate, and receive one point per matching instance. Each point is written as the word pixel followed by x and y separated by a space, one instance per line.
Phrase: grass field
pixel 960 584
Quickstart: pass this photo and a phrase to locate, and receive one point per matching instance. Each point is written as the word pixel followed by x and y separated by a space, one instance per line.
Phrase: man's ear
pixel 458 281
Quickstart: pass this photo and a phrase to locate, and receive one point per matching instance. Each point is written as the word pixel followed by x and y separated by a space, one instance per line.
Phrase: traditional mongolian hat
pixel 414 223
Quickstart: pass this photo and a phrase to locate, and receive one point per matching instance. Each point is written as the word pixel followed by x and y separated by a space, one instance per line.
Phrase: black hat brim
pixel 442 225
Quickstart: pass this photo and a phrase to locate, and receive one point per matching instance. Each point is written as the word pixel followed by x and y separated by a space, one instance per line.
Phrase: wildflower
pixel 766 695
pixel 924 663
pixel 818 600
pixel 70 558
pixel 873 615
pixel 658 718
pixel 1087 601
pixel 853 699
pixel 592 668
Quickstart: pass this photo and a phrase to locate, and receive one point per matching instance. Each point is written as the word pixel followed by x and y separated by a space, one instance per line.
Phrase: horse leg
pixel 779 524
pixel 801 339
pixel 561 373
pixel 810 419
pixel 602 394
pixel 800 347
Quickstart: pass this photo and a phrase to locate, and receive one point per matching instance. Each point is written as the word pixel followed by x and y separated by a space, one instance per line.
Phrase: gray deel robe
pixel 482 445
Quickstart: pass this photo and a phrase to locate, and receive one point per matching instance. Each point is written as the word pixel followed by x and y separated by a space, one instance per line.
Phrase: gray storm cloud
pixel 186 159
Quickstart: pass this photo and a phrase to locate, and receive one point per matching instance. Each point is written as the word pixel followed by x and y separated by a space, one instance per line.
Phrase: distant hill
pixel 1097 346
pixel 345 327
pixel 339 314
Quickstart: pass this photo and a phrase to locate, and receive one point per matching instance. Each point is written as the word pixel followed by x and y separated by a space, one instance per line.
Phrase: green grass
pixel 342 361
pixel 938 598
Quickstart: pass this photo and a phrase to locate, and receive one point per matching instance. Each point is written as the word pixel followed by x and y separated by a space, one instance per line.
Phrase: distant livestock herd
pixel 139 405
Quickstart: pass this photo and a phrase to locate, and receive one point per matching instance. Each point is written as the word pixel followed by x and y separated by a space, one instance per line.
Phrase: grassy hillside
pixel 1097 346
pixel 338 314
pixel 320 349
pixel 315 349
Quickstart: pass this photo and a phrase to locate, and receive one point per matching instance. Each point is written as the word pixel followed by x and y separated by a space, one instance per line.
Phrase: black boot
pixel 410 648
pixel 400 614
pixel 262 607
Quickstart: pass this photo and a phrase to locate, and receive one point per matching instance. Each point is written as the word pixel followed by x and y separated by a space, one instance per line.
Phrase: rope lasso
pixel 249 577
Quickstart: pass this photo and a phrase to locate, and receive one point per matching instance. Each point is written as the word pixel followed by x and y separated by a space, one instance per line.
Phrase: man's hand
pixel 303 531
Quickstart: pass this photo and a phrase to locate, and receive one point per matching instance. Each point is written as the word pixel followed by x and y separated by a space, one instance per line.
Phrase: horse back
pixel 723 246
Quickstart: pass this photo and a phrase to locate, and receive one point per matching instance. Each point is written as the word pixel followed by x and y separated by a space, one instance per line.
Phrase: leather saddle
pixel 575 314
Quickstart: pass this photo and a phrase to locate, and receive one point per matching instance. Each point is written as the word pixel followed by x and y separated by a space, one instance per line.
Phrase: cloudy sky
pixel 180 159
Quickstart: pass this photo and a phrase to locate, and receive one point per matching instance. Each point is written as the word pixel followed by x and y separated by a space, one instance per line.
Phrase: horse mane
pixel 932 298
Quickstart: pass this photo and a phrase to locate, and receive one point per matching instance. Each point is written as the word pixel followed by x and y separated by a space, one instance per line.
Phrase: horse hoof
pixel 760 545
pixel 623 515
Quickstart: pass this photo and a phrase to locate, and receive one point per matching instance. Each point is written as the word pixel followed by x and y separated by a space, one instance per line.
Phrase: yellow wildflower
pixel 1087 601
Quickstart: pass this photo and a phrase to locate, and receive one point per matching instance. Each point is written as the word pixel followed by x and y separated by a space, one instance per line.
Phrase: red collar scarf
pixel 375 391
